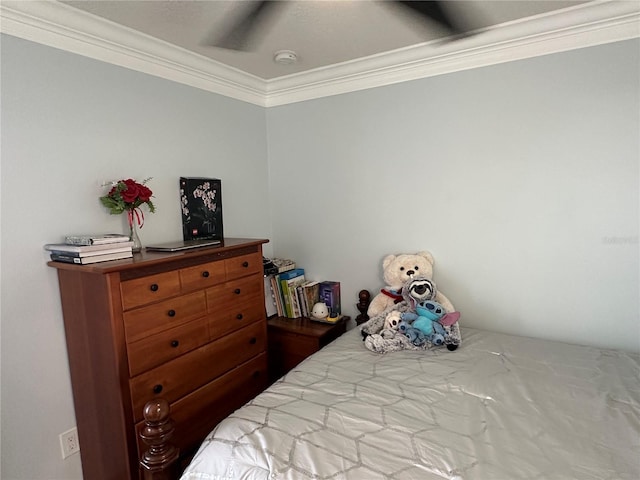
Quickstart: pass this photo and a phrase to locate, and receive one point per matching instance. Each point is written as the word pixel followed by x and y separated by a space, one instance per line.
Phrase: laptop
pixel 181 245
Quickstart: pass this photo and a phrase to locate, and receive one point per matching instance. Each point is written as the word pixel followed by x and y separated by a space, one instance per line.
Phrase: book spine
pixel 296 272
pixel 283 264
pixel 304 311
pixel 86 240
pixel 80 241
pixel 311 295
pixel 91 253
pixel 294 283
pixel 278 296
pixel 287 298
pixel 59 257
pixel 286 268
pixel 269 297
pixel 295 305
pixel 330 295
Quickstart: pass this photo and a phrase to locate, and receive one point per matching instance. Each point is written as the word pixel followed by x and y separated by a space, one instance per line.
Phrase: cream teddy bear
pixel 397 270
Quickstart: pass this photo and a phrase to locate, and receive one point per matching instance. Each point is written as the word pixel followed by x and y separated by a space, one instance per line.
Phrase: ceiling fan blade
pixel 433 10
pixel 240 35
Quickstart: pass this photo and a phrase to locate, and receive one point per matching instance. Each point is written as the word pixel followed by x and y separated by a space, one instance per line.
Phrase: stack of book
pixel 85 249
pixel 292 295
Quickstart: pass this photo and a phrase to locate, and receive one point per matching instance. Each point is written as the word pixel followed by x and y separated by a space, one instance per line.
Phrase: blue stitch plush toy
pixel 429 319
pixel 414 335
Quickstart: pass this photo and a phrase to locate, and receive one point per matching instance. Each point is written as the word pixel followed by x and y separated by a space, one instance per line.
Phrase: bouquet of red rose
pixel 128 196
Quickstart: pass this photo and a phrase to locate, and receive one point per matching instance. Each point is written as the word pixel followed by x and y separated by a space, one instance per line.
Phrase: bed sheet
pixel 499 407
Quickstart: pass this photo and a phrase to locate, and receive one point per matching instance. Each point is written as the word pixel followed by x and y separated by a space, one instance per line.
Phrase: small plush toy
pixel 392 320
pixel 414 335
pixel 397 270
pixel 320 311
pixel 417 290
pixel 431 318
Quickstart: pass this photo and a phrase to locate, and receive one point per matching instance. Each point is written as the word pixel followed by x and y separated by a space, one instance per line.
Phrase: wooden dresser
pixel 188 327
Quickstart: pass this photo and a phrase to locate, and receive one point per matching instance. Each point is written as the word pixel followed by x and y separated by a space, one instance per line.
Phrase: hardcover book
pixel 277 292
pixel 87 250
pixel 284 264
pixel 269 297
pixel 330 294
pixel 296 272
pixel 86 260
pixel 311 293
pixel 100 239
pixel 201 204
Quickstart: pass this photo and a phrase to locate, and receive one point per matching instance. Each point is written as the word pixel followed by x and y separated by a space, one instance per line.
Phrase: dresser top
pixel 228 247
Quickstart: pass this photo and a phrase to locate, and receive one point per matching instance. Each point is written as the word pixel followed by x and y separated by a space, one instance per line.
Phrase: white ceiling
pixel 321 33
pixel 342 46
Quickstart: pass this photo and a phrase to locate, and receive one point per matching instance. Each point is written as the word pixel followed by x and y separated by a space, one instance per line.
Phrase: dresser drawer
pixel 243 265
pixel 202 276
pixel 195 415
pixel 242 315
pixel 231 294
pixel 184 374
pixel 145 321
pixel 164 346
pixel 152 288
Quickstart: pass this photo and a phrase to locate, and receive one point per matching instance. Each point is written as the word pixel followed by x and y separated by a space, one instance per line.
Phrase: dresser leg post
pixel 159 462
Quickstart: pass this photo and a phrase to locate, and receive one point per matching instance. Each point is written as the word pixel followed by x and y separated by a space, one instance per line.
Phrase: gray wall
pixel 68 124
pixel 521 178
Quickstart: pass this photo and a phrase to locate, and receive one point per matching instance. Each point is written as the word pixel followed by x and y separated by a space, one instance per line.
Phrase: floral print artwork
pixel 200 201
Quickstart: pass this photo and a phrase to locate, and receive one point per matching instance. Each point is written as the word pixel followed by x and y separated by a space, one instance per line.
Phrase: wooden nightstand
pixel 291 340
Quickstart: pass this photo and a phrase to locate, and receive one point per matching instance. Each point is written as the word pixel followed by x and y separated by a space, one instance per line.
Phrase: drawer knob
pixel 237 291
pixel 154 287
pixel 157 389
pixel 175 343
pixel 245 264
pixel 253 340
pixel 171 313
pixel 205 274
pixel 256 374
pixel 239 316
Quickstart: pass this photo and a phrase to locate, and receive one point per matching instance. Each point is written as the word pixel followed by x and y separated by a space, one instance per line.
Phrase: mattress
pixel 499 407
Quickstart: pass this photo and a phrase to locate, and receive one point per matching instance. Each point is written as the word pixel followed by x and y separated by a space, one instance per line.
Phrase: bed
pixel 498 407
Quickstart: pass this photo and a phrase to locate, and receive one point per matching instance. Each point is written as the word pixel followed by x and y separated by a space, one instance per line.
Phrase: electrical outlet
pixel 69 442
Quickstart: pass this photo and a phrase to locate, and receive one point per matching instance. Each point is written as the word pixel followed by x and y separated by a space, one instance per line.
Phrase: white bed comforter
pixel 499 408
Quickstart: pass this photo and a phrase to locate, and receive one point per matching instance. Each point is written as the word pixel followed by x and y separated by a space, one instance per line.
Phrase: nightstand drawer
pixel 184 374
pixel 164 346
pixel 291 340
pixel 292 343
pixel 142 322
pixel 152 288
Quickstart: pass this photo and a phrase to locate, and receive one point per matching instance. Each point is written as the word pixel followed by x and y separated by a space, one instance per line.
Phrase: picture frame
pixel 201 206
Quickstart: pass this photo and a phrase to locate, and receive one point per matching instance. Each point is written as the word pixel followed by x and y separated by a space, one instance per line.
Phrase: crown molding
pixel 582 26
pixel 61 26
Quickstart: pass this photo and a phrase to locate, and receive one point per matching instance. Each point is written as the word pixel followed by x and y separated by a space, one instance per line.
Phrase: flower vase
pixel 133 233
